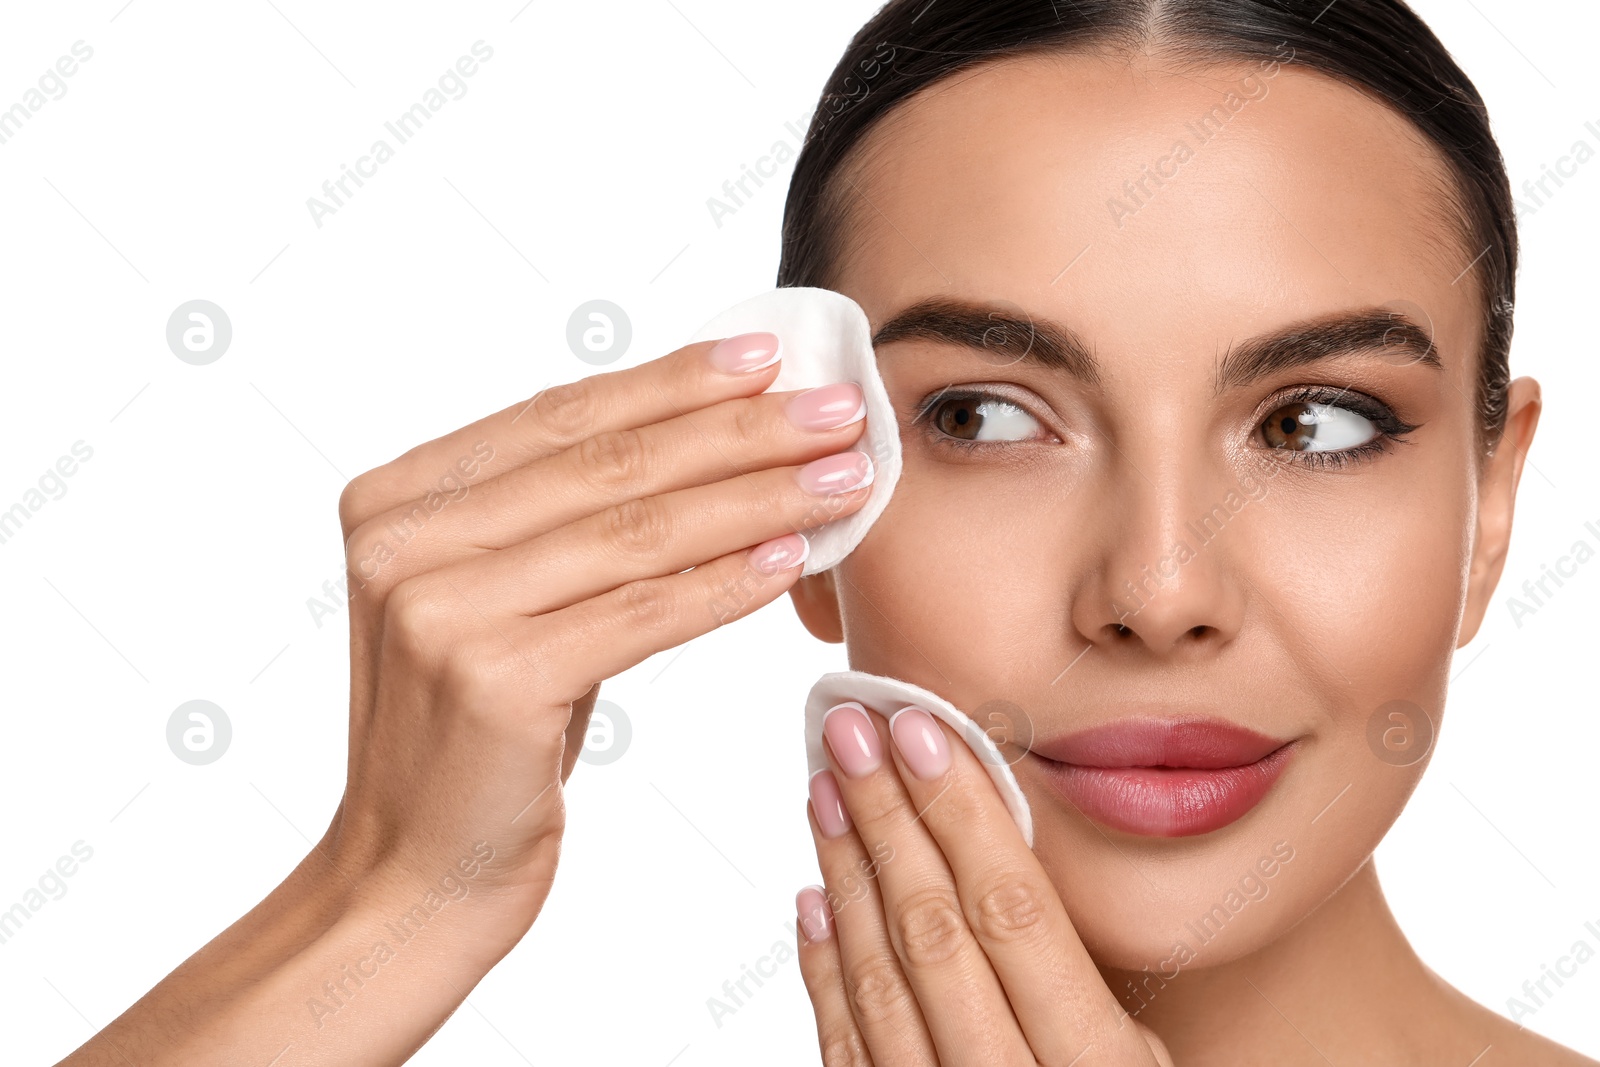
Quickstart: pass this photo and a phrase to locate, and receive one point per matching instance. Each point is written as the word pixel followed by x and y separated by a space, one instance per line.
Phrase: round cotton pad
pixel 887 696
pixel 824 337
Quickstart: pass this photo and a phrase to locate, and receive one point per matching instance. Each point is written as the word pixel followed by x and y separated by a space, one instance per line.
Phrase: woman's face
pixel 1089 546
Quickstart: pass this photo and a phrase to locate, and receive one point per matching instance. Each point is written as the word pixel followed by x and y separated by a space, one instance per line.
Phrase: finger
pixel 617 579
pixel 610 490
pixel 567 651
pixel 559 416
pixel 578 730
pixel 1158 1047
pixel 837 1034
pixel 960 995
pixel 720 442
pixel 656 536
pixel 1055 991
pixel 881 1001
pixel 562 655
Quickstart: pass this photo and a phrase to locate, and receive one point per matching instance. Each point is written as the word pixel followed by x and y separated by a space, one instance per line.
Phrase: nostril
pixel 1122 631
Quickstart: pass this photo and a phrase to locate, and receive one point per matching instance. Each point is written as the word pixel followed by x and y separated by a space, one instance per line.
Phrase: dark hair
pixel 1381 46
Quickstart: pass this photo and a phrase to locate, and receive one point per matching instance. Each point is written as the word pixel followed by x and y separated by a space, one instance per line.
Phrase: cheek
pixel 1364 591
pixel 949 580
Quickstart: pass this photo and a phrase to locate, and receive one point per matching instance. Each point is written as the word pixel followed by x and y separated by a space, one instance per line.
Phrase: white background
pixel 179 562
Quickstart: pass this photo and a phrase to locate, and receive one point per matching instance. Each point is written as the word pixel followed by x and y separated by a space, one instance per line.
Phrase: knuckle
pixel 880 811
pixel 842 1047
pixel 930 926
pixel 751 421
pixel 356 502
pixel 615 458
pixel 567 410
pixel 367 554
pixel 962 803
pixel 417 614
pixel 427 624
pixel 876 989
pixel 1009 907
pixel 637 527
pixel 475 674
pixel 361 542
pixel 646 605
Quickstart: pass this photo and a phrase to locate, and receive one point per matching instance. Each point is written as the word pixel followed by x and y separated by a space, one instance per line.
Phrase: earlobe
pixel 816 601
pixel 1497 493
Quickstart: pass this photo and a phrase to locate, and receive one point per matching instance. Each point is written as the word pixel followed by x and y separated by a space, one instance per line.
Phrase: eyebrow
pixel 990 327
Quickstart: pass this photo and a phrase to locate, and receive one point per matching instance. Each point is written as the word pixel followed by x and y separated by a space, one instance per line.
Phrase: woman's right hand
pixel 497 575
pixel 484 616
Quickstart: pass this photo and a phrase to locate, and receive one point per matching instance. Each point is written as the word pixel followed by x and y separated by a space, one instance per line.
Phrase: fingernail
pixel 828 803
pixel 780 553
pixel 920 741
pixel 836 474
pixel 812 911
pixel 744 352
pixel 853 740
pixel 827 407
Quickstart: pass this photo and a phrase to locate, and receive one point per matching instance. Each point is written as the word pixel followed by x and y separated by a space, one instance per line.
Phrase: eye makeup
pixel 951 412
pixel 1307 408
pixel 1294 424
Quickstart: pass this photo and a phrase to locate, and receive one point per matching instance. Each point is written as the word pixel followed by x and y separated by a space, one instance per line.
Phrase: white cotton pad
pixel 824 337
pixel 887 696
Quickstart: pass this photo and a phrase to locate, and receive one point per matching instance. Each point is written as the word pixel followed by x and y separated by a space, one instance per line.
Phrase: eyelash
pixel 1391 429
pixel 920 416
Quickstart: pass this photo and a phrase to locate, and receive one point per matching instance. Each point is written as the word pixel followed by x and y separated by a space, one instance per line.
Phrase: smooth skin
pixel 477 650
pixel 997 571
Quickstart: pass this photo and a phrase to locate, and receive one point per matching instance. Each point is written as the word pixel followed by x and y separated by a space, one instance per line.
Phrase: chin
pixel 1167 902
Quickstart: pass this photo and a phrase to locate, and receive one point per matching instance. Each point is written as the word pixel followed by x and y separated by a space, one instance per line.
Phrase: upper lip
pixel 1193 740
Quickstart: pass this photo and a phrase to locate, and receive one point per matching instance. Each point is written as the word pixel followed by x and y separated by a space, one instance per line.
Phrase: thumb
pixel 578 729
pixel 1158 1048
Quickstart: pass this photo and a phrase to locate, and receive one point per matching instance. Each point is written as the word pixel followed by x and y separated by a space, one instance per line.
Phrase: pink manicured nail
pixel 744 352
pixel 828 804
pixel 827 407
pixel 836 474
pixel 853 740
pixel 920 741
pixel 780 553
pixel 812 911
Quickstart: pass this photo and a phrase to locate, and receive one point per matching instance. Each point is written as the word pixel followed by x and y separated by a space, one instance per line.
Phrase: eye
pixel 971 417
pixel 1331 427
pixel 1317 428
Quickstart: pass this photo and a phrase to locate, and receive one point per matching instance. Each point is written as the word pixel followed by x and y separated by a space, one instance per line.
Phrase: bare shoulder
pixel 1496 1041
pixel 1510 1044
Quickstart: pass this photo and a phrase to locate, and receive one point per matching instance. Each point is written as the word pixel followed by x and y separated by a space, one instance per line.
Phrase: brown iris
pixel 1293 426
pixel 959 418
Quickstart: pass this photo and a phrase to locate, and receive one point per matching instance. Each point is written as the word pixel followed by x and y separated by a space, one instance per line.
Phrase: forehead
pixel 1154 206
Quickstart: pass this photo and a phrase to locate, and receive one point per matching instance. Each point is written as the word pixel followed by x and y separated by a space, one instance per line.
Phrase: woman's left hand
pixel 941 940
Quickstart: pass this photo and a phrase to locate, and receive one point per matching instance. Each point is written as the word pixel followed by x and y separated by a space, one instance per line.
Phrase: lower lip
pixel 1166 801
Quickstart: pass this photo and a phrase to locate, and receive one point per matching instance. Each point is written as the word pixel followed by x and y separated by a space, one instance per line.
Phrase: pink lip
pixel 1164 778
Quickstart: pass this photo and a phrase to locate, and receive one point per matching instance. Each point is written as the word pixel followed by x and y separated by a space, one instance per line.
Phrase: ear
pixel 816 601
pixel 1497 493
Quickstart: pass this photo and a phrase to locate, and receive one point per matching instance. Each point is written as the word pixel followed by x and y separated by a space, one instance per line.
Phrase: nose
pixel 1167 574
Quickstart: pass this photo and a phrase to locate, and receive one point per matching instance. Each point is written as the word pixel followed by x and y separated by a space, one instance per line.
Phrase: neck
pixel 1340 986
